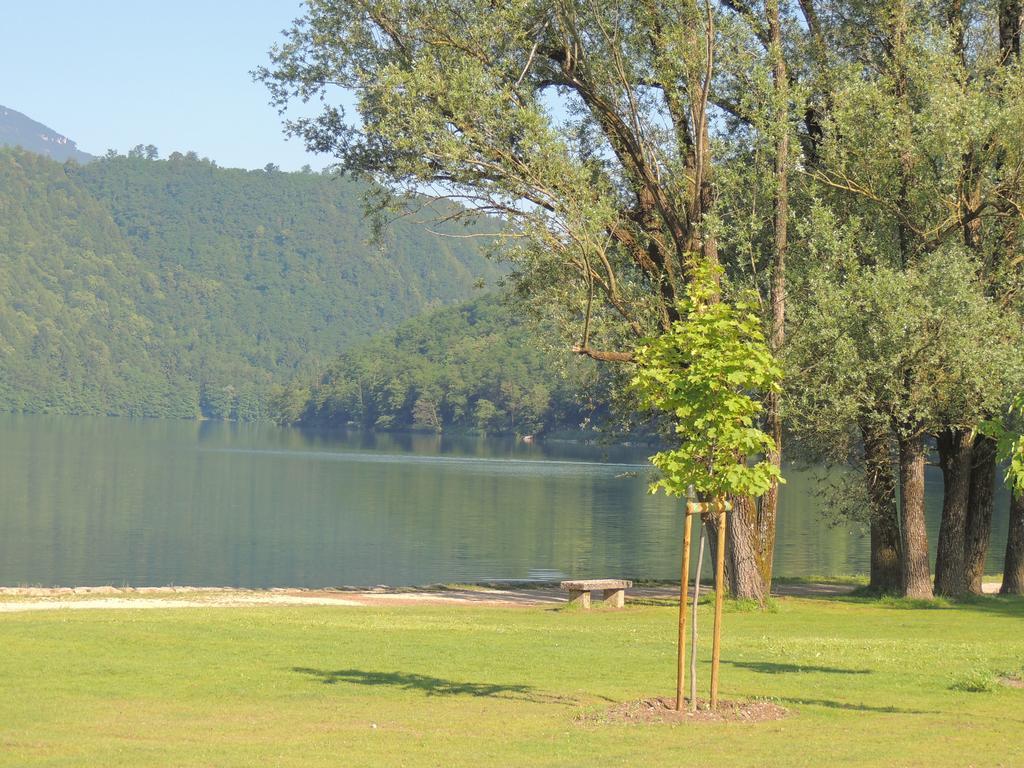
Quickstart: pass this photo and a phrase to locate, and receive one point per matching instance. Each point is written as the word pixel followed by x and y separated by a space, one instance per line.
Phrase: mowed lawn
pixel 866 683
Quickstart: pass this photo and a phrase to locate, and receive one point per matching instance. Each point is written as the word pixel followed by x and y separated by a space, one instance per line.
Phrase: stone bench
pixel 614 591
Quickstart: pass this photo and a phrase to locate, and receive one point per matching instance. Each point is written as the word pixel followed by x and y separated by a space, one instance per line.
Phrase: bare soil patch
pixel 662 710
pixel 1011 681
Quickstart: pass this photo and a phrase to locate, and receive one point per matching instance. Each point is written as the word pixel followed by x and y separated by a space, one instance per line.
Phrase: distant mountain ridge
pixel 19 130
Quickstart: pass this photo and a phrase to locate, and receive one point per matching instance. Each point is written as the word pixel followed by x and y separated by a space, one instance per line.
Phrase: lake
pixel 94 501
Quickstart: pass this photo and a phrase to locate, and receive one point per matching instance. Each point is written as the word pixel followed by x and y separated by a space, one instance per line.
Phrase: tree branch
pixel 606 357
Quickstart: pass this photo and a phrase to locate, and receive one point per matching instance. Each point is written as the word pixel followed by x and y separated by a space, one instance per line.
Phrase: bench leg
pixel 616 598
pixel 581 598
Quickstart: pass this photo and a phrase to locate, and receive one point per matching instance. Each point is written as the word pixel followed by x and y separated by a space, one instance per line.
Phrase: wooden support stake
pixel 684 584
pixel 693 622
pixel 716 646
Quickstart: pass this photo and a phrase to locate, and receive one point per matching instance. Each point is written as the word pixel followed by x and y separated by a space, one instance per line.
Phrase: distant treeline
pixel 471 368
pixel 136 286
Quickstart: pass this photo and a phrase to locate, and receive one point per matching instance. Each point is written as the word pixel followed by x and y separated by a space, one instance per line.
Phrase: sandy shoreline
pixel 20 599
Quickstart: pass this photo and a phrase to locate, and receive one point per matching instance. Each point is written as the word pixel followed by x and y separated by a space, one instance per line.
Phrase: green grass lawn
pixel 866 683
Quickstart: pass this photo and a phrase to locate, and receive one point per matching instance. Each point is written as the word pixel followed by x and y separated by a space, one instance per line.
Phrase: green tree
pixel 289 403
pixel 585 127
pixel 1009 436
pixel 592 208
pixel 705 376
pixel 486 415
pixel 428 373
pixel 889 348
pixel 914 144
pixel 426 413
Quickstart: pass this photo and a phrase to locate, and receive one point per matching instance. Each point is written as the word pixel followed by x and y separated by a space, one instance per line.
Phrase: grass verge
pixel 423 686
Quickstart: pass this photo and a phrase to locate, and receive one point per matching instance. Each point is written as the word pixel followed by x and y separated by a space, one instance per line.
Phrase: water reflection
pixel 113 501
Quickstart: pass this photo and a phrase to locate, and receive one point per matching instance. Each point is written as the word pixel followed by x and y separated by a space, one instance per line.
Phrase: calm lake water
pixel 92 501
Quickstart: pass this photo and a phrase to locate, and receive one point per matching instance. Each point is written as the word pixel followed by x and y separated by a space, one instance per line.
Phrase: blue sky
pixel 113 74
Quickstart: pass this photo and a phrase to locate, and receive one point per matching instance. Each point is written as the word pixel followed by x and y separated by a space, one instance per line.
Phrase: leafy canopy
pixel 1015 473
pixel 584 127
pixel 1010 442
pixel 911 350
pixel 708 373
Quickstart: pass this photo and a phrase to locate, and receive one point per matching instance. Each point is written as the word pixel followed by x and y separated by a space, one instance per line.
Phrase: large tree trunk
pixel 956 450
pixel 886 574
pixel 1013 565
pixel 768 508
pixel 979 513
pixel 917 581
pixel 741 567
pixel 1011 25
pixel 768 505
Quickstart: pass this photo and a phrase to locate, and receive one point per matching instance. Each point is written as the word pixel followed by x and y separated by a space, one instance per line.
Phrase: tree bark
pixel 1013 565
pixel 917 580
pixel 886 574
pixel 979 513
pixel 768 505
pixel 741 567
pixel 956 450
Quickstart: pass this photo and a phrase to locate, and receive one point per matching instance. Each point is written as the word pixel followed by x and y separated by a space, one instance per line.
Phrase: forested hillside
pixel 174 287
pixel 74 334
pixel 474 367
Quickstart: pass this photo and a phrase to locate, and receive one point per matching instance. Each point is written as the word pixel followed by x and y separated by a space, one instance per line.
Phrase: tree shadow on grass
pixel 658 602
pixel 774 668
pixel 996 605
pixel 797 701
pixel 991 604
pixel 432 686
